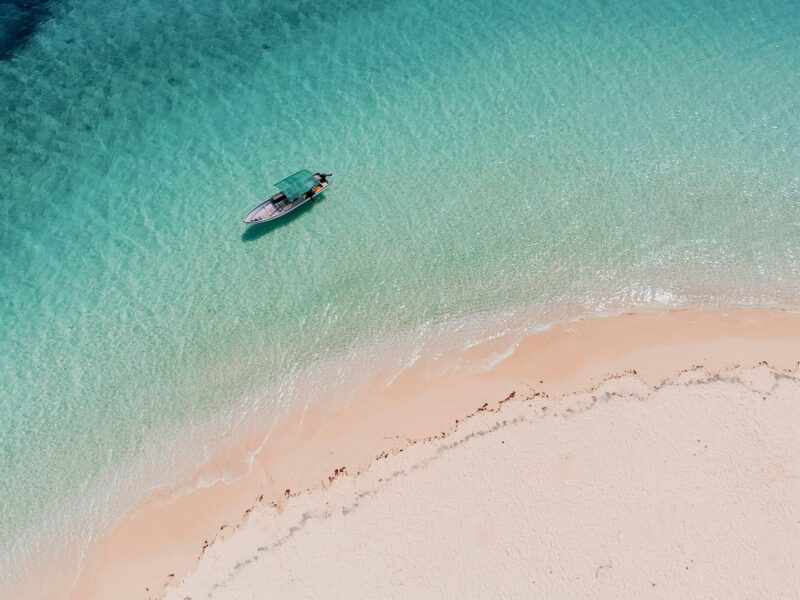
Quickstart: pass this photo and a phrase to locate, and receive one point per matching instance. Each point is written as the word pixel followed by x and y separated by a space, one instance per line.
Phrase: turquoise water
pixel 543 160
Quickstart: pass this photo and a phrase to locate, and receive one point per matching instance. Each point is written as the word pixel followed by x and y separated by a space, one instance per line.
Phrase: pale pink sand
pixel 167 536
pixel 688 491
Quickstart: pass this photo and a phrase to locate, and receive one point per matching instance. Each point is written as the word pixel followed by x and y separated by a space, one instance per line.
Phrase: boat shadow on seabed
pixel 259 230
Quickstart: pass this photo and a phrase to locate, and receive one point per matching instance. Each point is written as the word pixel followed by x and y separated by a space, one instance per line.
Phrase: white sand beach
pixel 689 490
pixel 654 453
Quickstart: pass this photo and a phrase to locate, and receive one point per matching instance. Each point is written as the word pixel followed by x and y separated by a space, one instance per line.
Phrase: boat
pixel 293 192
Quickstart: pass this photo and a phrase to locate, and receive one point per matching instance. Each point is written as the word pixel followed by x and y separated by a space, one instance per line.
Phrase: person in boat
pixel 323 178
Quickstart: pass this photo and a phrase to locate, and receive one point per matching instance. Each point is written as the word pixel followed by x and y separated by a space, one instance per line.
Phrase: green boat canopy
pixel 297 184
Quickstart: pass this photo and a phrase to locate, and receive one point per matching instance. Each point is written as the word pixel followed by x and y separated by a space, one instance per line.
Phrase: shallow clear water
pixel 545 159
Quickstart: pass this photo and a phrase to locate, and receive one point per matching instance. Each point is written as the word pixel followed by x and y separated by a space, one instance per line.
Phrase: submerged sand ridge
pixel 689 489
pixel 598 420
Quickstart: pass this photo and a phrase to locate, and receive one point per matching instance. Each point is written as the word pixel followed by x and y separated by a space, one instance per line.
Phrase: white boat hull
pixel 274 208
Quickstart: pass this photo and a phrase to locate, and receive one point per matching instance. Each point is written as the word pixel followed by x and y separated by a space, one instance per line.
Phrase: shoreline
pixel 312 447
pixel 686 489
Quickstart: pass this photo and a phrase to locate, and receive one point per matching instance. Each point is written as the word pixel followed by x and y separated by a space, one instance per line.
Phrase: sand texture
pixel 625 482
pixel 688 489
